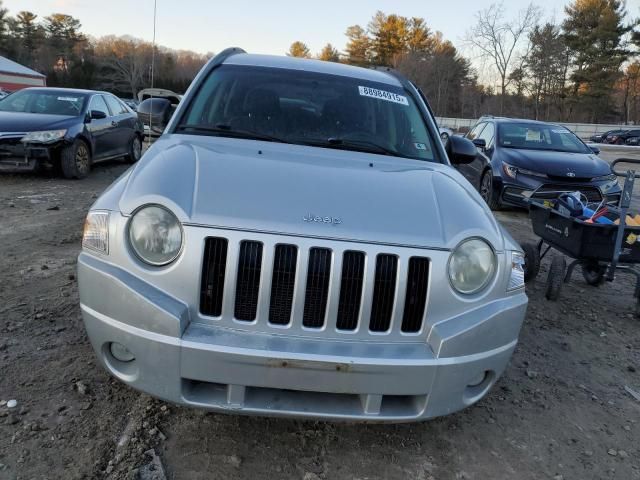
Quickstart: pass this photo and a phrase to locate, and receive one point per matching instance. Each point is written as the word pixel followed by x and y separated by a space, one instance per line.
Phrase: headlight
pixel 471 266
pixel 46 136
pixel 96 232
pixel 513 172
pixel 155 234
pixel 516 280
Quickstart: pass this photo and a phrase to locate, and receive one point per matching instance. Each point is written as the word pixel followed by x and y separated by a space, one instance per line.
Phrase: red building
pixel 14 76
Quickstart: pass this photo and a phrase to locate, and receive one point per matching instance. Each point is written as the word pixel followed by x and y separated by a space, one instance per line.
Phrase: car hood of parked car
pixel 29 122
pixel 558 164
pixel 307 191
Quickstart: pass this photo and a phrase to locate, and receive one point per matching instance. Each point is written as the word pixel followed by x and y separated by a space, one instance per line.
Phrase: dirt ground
pixel 559 412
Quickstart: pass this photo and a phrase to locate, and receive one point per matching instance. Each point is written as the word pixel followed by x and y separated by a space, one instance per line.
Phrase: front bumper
pixel 18 158
pixel 228 370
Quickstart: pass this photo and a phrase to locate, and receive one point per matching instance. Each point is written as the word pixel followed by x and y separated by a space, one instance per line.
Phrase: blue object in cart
pixel 587 212
pixel 568 204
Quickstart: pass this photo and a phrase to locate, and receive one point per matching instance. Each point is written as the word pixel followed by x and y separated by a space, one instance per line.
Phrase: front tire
pixel 75 160
pixel 486 190
pixel 135 150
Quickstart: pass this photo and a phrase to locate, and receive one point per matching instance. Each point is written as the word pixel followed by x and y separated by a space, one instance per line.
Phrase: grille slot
pixel 213 272
pixel 317 287
pixel 416 298
pixel 384 289
pixel 350 290
pixel 282 284
pixel 248 281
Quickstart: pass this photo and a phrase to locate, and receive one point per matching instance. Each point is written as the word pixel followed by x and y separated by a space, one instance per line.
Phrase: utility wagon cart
pixel 601 250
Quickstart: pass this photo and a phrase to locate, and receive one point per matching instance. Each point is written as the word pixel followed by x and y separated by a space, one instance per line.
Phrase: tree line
pixel 584 69
pixel 55 46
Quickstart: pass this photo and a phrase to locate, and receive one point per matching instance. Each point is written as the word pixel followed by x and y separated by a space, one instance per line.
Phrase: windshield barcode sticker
pixel 68 99
pixel 383 95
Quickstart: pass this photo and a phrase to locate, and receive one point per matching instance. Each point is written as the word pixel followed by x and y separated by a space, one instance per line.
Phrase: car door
pixel 122 131
pixel 466 169
pixel 100 128
pixel 483 159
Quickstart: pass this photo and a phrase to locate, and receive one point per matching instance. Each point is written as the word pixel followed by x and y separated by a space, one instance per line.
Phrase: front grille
pixel 213 269
pixel 384 289
pixel 551 192
pixel 416 298
pixel 317 289
pixel 350 290
pixel 282 284
pixel 331 291
pixel 249 268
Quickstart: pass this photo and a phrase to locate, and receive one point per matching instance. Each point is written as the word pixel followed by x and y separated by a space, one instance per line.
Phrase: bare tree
pixel 498 40
pixel 124 63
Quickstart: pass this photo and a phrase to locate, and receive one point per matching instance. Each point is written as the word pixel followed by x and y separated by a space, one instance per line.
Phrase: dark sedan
pixel 66 130
pixel 600 137
pixel 518 159
pixel 621 137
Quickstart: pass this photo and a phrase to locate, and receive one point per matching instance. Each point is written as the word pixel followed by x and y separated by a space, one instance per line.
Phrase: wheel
pixel 486 190
pixel 75 160
pixel 593 273
pixel 531 261
pixel 638 307
pixel 555 278
pixel 135 150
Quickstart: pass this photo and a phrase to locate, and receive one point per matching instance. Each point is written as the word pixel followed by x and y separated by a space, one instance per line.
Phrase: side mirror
pixel 461 150
pixel 480 143
pixel 97 115
pixel 594 149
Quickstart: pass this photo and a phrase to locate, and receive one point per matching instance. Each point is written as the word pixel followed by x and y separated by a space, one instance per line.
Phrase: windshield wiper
pixel 351 144
pixel 224 130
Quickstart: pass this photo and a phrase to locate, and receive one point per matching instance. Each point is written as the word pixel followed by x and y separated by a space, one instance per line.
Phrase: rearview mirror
pixel 480 143
pixel 97 115
pixel 461 150
pixel 594 149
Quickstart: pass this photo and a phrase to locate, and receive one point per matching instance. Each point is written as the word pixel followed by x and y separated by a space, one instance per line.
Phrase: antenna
pixel 153 62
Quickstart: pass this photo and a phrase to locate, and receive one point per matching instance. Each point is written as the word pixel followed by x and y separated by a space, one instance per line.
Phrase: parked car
pixel 600 137
pixel 621 137
pixel 633 141
pixel 155 109
pixel 518 159
pixel 297 243
pixel 65 129
pixel 445 133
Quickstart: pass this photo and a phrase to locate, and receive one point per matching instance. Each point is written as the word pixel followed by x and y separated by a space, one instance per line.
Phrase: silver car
pixel 298 244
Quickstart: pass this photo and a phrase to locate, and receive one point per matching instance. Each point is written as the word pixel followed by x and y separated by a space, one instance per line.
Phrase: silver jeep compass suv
pixel 297 243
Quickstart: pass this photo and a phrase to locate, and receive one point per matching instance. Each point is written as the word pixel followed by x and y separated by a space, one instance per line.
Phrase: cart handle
pixel 624 160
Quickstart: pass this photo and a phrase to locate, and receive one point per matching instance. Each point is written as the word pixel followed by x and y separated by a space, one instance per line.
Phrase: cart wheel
pixel 555 278
pixel 531 261
pixel 593 273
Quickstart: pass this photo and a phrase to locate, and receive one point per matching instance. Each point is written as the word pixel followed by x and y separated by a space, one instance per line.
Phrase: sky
pixel 267 26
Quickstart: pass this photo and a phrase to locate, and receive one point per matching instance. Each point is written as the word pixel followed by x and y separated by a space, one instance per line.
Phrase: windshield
pixel 534 136
pixel 49 102
pixel 308 108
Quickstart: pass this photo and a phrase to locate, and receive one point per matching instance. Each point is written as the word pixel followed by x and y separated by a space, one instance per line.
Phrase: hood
pixel 28 122
pixel 307 191
pixel 557 164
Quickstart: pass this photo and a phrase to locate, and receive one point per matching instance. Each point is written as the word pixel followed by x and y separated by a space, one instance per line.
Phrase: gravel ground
pixel 560 411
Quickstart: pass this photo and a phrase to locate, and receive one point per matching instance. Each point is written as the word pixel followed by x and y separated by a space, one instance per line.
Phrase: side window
pixel 114 105
pixel 488 133
pixel 475 133
pixel 97 103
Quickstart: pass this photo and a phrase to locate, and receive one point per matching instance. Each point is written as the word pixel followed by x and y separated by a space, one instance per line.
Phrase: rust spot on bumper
pixel 308 365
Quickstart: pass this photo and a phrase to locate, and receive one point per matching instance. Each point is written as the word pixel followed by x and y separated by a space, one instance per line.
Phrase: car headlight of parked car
pixel 45 136
pixel 155 235
pixel 516 279
pixel 472 265
pixel 96 232
pixel 513 172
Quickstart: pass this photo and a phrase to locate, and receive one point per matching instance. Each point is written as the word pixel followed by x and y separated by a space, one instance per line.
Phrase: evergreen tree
pixel 299 49
pixel 329 54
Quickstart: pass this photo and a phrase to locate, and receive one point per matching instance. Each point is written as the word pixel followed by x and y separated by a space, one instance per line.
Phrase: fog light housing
pixel 120 352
